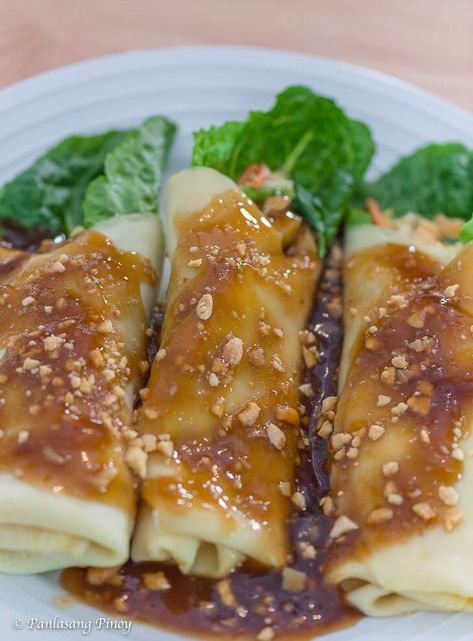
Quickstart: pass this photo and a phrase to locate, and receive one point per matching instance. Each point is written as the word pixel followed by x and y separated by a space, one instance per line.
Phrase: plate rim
pixel 199 53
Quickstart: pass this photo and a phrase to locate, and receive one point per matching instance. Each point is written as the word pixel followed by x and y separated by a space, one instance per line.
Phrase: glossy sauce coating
pixel 224 385
pixel 253 599
pixel 407 402
pixel 67 362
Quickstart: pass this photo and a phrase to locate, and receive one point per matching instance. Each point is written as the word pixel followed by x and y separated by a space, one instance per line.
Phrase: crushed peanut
pixel 249 415
pixel 448 495
pixel 226 594
pixel 380 515
pixel 276 436
pixel 400 362
pixel 383 400
pixel 341 526
pixel 293 580
pixel 233 351
pixel 156 581
pixel 451 291
pixel 390 468
pixel 375 432
pixel 424 510
pixel 204 307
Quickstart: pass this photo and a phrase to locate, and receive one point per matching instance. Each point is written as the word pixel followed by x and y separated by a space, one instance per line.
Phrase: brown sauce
pixel 62 310
pixel 224 469
pixel 194 605
pixel 412 376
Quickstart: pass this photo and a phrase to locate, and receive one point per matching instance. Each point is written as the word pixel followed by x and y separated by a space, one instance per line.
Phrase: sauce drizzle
pixel 252 602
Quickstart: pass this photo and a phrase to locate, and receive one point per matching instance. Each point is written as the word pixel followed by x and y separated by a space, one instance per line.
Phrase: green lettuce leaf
pixel 310 139
pixel 435 179
pixel 357 216
pixel 133 173
pixel 259 194
pixel 466 233
pixel 49 194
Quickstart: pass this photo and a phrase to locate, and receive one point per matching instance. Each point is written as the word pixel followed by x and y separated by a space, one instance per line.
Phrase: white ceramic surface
pixel 198 87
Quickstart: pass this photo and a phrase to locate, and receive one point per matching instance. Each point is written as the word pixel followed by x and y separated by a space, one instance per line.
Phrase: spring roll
pixel 402 477
pixel 72 337
pixel 221 410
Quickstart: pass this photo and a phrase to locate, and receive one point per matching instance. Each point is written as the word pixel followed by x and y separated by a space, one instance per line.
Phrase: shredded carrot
pixel 255 175
pixel 376 214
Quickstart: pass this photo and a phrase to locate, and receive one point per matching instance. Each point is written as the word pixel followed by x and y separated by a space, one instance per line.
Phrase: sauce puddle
pixel 252 603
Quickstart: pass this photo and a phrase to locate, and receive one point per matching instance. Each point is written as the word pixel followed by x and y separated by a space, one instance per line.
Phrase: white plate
pixel 198 87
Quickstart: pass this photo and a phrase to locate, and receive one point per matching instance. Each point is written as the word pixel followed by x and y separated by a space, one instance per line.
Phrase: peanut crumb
pixel 204 307
pixel 424 436
pixel 307 550
pixel 214 380
pixel 276 436
pixel 399 409
pixel 448 495
pixel 383 400
pixel 165 447
pixel 149 442
pixel 329 404
pixel 249 415
pixel 137 459
pixel 381 515
pixel 458 454
pixel 310 355
pixel 340 439
pixel 233 351
pixel 256 357
pixel 341 526
pixel 417 320
pixel 105 327
pixel 375 432
pixel 287 414
pixel 419 404
pixel 96 357
pixel 388 376
pixel 390 468
pixel 451 291
pixel 151 413
pixel 156 581
pixel 30 364
pixel 325 430
pixel 452 518
pixel 424 510
pixel 293 580
pixel 400 362
pixel 327 505
pixel 352 453
pixel 306 390
pixel 298 499
pixel 57 268
pixel 285 488
pixel 266 634
pixel 99 576
pixel 277 364
pixel 226 594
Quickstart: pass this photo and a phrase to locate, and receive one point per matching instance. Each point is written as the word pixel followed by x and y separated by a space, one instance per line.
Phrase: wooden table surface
pixel 428 42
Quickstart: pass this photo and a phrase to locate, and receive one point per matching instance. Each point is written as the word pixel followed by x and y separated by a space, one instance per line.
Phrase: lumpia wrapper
pixel 408 562
pixel 216 500
pixel 72 337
